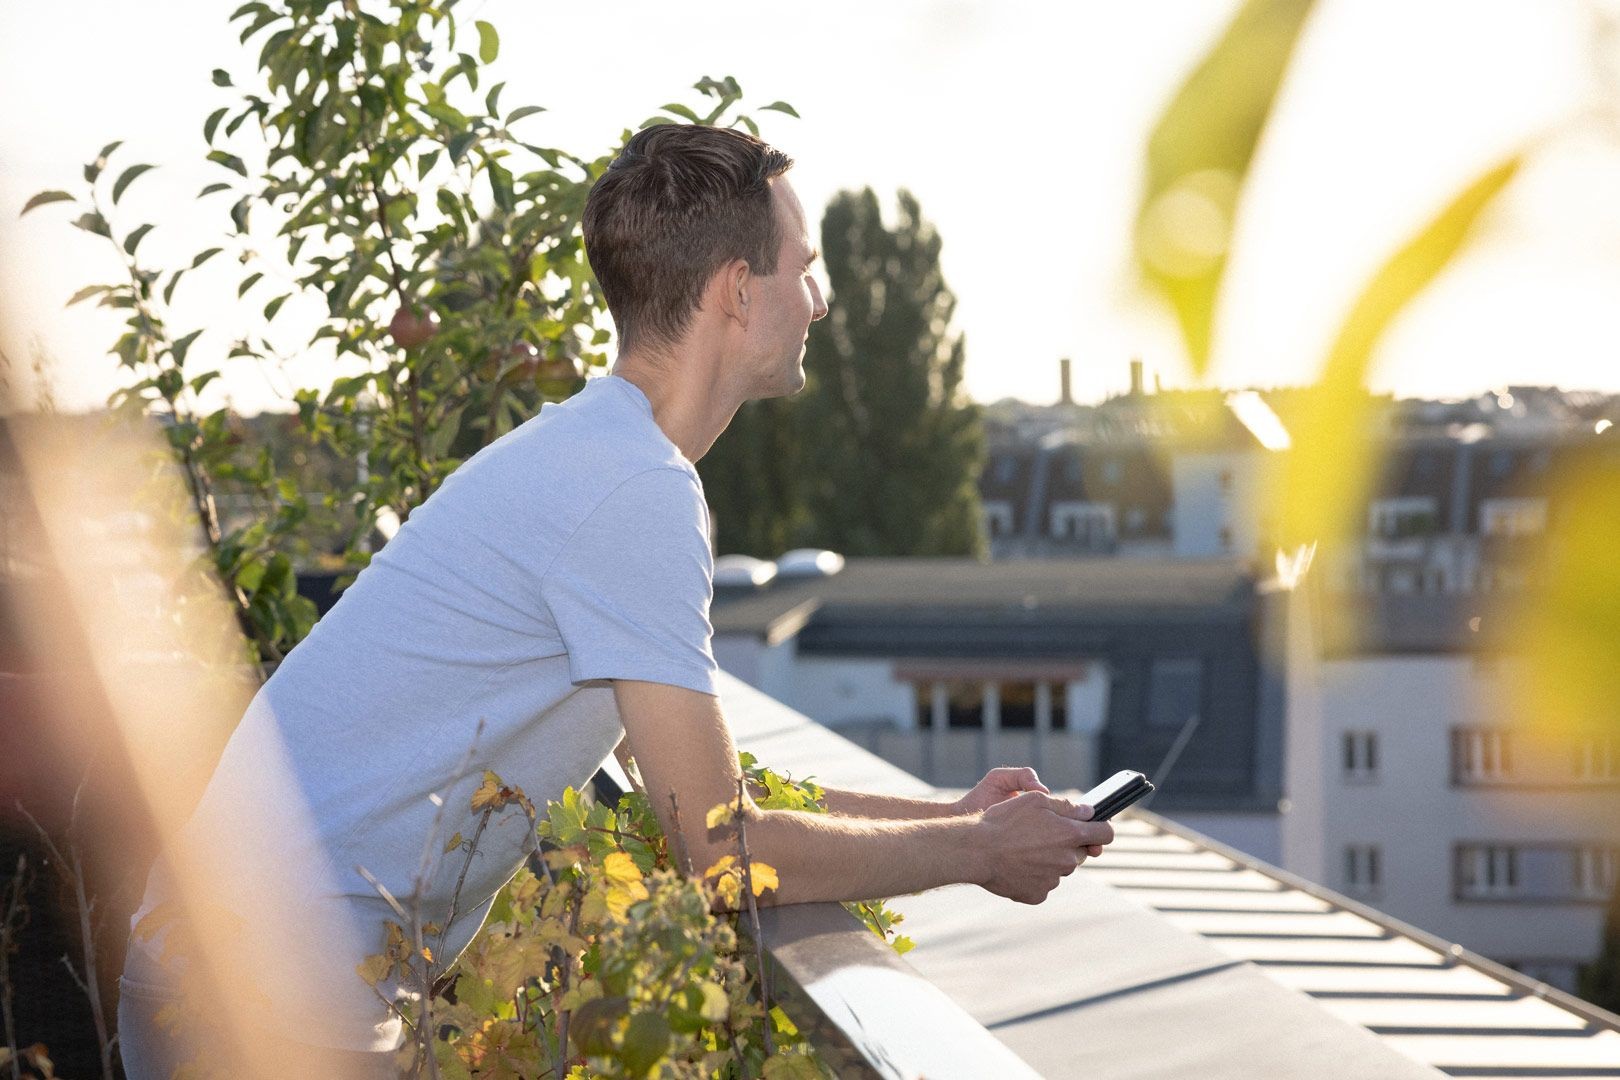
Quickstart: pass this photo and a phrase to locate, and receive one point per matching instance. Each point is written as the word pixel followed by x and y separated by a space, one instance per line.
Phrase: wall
pixel 1411 810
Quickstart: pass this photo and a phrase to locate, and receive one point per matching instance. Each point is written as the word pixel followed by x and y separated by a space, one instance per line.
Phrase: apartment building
pixel 1441 803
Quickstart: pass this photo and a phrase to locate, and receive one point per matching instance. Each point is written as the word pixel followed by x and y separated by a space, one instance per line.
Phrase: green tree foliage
pixel 880 453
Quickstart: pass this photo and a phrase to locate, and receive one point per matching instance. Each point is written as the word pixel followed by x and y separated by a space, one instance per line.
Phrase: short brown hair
pixel 680 202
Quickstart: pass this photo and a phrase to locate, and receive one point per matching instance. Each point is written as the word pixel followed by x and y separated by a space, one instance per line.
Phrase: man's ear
pixel 734 284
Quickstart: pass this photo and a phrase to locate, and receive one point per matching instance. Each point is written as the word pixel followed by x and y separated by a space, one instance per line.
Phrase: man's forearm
pixel 889 807
pixel 832 857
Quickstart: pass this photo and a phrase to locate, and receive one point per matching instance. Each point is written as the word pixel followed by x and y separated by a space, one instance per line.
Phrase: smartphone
pixel 1116 793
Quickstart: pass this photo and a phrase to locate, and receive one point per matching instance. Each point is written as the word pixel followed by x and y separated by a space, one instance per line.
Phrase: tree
pixel 892 451
pixel 880 453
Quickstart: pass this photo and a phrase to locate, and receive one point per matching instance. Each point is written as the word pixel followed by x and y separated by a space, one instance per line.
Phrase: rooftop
pixel 1175 956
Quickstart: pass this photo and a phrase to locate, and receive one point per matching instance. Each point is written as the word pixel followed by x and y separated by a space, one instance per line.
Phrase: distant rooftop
pixel 1015 592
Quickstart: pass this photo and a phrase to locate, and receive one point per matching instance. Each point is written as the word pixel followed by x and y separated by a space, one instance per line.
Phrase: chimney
pixel 1065 387
pixel 1136 377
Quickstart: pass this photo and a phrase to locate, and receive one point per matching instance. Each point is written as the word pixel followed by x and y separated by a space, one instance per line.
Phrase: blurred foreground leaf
pixel 1198 157
pixel 1329 466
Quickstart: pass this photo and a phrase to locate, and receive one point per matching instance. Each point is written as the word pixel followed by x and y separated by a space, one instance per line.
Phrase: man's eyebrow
pixel 815 253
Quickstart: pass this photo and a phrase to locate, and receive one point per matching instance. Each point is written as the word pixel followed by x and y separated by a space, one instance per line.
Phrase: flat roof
pixel 1174 955
pixel 1022 591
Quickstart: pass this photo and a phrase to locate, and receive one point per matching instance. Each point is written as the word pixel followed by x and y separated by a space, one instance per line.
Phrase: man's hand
pixel 999 784
pixel 1030 842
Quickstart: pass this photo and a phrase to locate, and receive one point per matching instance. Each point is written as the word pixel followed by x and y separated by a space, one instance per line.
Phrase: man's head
pixel 689 212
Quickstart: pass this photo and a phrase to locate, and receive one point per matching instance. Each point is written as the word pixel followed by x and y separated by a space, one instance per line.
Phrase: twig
pixel 565 1015
pixel 753 914
pixel 461 879
pixel 16 918
pixel 680 837
pixel 72 868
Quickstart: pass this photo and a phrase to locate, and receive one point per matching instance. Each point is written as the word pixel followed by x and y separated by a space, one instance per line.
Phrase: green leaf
pixel 174 280
pixel 239 212
pixel 204 256
pixel 1323 474
pixel 212 188
pixel 460 143
pixel 230 161
pixel 1198 158
pixel 221 77
pixel 646 1041
pixel 489 42
pixel 425 163
pixel 44 198
pixel 133 240
pixel 203 380
pixel 682 111
pixel 86 293
pixel 106 152
pixel 500 182
pixel 182 346
pixel 212 124
pixel 526 110
pixel 492 99
pixel 782 107
pixel 274 306
pixel 127 178
pixel 248 283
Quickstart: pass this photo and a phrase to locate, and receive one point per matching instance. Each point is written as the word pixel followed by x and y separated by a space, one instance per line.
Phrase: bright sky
pixel 1019 125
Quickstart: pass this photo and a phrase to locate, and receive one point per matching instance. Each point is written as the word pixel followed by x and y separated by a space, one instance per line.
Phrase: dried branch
pixel 753 915
pixel 16 918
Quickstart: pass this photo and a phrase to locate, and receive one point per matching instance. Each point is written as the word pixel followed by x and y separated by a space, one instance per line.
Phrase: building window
pixel 1595 759
pixel 1175 692
pixel 1090 523
pixel 1019 699
pixel 1401 518
pixel 1360 756
pixel 1595 872
pixel 964 704
pixel 1513 517
pixel 1487 871
pixel 1363 869
pixel 1480 756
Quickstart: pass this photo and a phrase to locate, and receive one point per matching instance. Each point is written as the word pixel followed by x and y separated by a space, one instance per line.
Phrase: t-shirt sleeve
pixel 630 590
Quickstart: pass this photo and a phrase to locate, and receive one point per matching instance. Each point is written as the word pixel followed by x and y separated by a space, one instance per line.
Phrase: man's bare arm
pixel 998 784
pixel 1018 848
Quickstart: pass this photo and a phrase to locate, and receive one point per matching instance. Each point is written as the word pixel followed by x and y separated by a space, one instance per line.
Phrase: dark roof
pixel 1036 591
pixel 1400 625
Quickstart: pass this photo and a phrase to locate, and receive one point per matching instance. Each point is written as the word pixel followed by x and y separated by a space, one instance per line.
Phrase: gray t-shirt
pixel 572 551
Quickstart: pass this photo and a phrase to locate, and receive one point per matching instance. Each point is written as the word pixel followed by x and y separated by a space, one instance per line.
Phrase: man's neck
pixel 690 401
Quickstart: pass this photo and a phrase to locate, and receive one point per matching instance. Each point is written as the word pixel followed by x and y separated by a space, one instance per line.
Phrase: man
pixel 552 599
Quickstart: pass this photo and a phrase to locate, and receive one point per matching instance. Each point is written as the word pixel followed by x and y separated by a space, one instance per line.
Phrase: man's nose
pixel 820 309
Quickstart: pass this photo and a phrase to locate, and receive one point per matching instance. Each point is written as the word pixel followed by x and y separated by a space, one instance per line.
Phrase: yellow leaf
pixel 621 869
pixel 903 944
pixel 488 793
pixel 453 843
pixel 716 1002
pixel 427 954
pixel 720 867
pixel 373 969
pixel 730 889
pixel 763 876
pixel 720 815
pixel 620 897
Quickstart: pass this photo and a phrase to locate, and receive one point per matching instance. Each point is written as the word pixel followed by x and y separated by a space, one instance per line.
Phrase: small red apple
pixel 411 327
